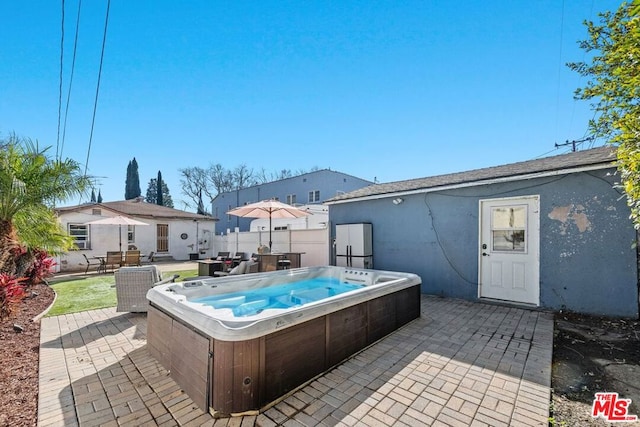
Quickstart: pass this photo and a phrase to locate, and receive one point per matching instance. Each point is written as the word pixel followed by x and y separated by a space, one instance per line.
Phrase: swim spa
pixel 237 343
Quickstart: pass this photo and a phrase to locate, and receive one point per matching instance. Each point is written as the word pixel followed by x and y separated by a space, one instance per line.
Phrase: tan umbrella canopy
pixel 268 209
pixel 118 220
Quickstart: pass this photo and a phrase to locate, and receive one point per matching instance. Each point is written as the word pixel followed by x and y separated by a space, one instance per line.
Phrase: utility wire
pixel 95 103
pixel 60 84
pixel 73 66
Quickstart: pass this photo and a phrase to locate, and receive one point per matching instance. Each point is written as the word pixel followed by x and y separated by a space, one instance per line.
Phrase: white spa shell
pixel 177 299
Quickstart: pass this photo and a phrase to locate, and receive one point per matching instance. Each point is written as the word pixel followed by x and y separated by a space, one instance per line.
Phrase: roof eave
pixel 469 184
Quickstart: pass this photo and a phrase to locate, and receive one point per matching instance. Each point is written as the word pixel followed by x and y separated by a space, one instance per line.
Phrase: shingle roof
pixel 138 208
pixel 597 156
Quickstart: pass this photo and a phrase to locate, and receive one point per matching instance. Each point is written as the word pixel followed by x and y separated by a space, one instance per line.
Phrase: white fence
pixel 313 244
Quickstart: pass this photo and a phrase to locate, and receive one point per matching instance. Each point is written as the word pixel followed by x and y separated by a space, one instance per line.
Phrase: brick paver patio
pixel 461 363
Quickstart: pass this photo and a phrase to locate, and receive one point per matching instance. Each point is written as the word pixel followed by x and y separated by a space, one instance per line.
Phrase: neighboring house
pixel 306 189
pixel 170 233
pixel 553 233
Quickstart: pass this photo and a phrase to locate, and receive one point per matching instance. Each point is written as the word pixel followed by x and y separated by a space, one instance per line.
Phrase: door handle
pixel 485 254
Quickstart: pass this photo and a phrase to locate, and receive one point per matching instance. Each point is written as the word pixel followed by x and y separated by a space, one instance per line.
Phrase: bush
pixel 11 293
pixel 41 267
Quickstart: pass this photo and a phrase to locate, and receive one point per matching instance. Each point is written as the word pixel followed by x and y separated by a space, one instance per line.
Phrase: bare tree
pixel 198 183
pixel 220 178
pixel 243 176
pixel 193 182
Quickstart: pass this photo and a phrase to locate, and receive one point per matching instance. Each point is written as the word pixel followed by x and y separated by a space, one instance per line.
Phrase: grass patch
pixel 91 293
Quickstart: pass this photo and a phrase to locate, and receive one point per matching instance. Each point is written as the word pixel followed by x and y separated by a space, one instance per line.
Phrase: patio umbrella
pixel 118 220
pixel 268 209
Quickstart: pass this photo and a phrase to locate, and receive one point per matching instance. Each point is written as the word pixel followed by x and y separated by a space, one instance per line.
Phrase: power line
pixel 73 66
pixel 60 84
pixel 95 103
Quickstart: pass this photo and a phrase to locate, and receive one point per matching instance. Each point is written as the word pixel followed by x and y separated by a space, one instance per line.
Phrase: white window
pixel 131 233
pixel 314 196
pixel 80 234
pixel 291 199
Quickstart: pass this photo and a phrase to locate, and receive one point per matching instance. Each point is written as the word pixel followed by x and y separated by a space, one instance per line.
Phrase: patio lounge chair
pixel 98 262
pixel 132 284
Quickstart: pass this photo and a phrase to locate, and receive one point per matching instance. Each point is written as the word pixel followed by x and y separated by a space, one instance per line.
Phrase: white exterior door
pixel 510 249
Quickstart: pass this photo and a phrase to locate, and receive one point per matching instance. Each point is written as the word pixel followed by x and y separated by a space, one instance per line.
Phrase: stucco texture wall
pixel 587 258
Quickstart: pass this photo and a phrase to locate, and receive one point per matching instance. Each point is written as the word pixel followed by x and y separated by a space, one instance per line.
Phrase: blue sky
pixel 376 89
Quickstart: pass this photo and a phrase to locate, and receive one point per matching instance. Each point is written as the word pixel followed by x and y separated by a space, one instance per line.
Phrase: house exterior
pixel 170 233
pixel 306 189
pixel 553 233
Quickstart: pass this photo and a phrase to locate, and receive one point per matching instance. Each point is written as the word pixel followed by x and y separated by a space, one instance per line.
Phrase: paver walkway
pixel 461 363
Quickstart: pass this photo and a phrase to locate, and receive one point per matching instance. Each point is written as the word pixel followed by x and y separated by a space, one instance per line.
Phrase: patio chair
pixel 132 258
pixel 238 257
pixel 150 256
pixel 113 259
pixel 244 267
pixel 98 262
pixel 132 284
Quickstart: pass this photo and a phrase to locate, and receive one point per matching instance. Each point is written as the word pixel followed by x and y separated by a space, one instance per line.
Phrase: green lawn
pixel 90 293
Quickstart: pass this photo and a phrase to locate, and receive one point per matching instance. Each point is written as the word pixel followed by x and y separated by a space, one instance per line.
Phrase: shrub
pixel 41 267
pixel 11 293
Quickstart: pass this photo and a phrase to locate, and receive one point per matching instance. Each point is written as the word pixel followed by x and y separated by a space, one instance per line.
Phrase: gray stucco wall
pixel 587 259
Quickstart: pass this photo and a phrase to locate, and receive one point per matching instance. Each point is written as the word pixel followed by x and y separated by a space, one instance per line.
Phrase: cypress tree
pixel 159 183
pixel 132 183
pixel 127 183
pixel 99 196
pixel 93 195
pixel 135 179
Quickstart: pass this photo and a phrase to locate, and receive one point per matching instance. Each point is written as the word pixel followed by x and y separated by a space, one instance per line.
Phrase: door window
pixel 509 229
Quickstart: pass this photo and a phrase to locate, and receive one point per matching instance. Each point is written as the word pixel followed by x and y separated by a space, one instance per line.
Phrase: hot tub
pixel 237 343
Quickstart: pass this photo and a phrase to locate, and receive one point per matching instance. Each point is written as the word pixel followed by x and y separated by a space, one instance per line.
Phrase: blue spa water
pixel 251 302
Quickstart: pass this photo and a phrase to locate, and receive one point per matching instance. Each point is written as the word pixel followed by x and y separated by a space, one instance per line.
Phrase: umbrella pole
pixel 270 232
pixel 120 236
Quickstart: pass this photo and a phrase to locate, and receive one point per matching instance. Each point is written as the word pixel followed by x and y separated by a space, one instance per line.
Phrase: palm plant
pixel 31 182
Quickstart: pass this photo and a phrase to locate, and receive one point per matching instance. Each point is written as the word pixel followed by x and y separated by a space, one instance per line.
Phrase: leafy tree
pixel 30 183
pixel 152 193
pixel 614 89
pixel 132 183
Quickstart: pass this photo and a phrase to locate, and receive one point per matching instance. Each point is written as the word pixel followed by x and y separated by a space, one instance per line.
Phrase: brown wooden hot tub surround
pixel 228 377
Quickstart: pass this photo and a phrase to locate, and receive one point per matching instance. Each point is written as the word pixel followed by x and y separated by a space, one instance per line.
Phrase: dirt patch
pixel 593 354
pixel 19 358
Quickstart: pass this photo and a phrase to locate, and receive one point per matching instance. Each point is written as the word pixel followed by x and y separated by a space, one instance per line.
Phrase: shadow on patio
pixel 460 363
